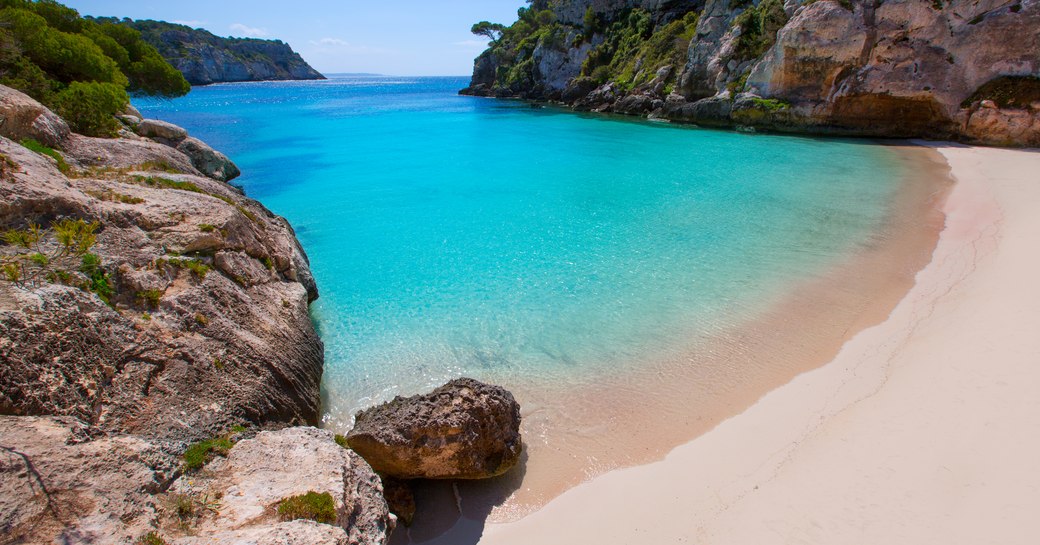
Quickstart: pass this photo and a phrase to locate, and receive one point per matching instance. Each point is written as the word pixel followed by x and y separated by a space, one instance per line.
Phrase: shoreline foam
pixel 688 398
pixel 921 430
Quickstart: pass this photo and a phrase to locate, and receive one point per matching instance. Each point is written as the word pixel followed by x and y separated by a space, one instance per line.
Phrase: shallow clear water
pixel 454 235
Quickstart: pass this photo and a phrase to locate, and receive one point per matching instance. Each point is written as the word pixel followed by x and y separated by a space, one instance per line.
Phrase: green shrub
pixel 341 440
pixel 758 28
pixel 150 298
pixel 46 48
pixel 207 228
pixel 198 454
pixel 1007 92
pixel 48 255
pixel 98 279
pixel 310 506
pixel 770 104
pixel 90 108
pixel 166 183
pixel 37 147
pixel 151 538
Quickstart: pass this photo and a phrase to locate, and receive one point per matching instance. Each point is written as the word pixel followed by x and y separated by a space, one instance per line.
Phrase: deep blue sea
pixel 455 235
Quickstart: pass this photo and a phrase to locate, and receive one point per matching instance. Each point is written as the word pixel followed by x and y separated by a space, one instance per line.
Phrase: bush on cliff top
pixel 758 28
pixel 632 50
pixel 57 57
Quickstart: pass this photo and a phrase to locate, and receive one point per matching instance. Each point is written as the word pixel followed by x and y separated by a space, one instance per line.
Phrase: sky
pixel 400 38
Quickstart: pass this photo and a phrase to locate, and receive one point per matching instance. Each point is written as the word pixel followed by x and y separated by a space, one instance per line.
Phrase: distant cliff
pixel 952 69
pixel 204 58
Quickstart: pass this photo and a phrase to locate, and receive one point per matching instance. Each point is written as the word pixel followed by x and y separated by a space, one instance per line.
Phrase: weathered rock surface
pixel 154 128
pixel 59 483
pixel 23 117
pixel 85 152
pixel 895 68
pixel 209 161
pixel 261 472
pixel 463 430
pixel 297 532
pixel 188 347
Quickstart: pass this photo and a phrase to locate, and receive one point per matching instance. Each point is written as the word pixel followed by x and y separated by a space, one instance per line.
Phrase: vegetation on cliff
pixel 626 49
pixel 80 68
pixel 204 58
pixel 963 70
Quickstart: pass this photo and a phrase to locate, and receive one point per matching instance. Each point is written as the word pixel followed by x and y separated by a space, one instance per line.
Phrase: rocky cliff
pixel 951 69
pixel 152 319
pixel 204 58
pixel 202 322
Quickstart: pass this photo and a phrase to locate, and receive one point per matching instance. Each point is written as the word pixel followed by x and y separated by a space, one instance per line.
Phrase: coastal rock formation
pixel 61 483
pixel 204 58
pixel 463 430
pixel 259 473
pixel 192 315
pixel 900 68
pixel 209 161
pixel 22 117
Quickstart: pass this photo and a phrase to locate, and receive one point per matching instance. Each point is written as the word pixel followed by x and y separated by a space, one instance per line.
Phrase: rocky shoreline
pixel 165 394
pixel 952 70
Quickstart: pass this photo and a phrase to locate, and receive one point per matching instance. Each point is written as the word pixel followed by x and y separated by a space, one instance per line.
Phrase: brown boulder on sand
pixel 463 430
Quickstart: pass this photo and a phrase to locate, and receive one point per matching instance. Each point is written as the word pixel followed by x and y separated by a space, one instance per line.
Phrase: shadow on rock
pixel 455 512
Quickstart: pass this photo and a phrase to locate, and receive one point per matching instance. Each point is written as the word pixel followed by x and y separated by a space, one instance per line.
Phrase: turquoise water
pixel 454 235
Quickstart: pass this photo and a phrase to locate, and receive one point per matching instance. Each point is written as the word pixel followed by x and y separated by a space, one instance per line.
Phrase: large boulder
pixel 463 430
pixel 23 117
pixel 154 128
pixel 260 473
pixel 86 152
pixel 209 161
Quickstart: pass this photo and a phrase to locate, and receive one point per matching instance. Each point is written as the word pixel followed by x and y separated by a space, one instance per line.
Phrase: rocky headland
pixel 946 69
pixel 205 58
pixel 154 320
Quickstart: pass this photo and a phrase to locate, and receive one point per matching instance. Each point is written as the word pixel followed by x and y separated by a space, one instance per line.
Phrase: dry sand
pixel 924 429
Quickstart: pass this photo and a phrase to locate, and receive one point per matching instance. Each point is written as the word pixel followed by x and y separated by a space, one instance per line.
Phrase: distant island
pixel 205 58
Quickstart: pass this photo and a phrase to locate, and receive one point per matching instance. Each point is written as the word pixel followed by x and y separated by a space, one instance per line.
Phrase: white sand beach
pixel 924 429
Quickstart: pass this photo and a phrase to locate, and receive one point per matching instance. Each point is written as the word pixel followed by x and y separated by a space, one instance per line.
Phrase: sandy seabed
pixel 924 428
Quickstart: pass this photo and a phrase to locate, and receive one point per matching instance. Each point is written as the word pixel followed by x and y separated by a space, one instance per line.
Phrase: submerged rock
pixel 463 430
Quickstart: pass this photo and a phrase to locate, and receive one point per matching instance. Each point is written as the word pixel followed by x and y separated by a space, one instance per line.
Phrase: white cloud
pixel 192 24
pixel 475 44
pixel 339 46
pixel 247 31
pixel 331 42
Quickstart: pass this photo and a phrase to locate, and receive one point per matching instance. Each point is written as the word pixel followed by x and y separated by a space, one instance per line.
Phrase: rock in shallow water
pixel 463 430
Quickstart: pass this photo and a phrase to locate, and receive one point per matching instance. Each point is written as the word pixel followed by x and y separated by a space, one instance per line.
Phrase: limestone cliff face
pixel 204 58
pixel 956 69
pixel 207 324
